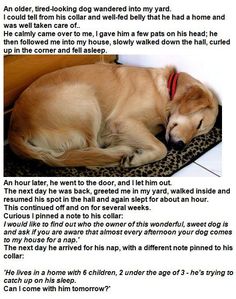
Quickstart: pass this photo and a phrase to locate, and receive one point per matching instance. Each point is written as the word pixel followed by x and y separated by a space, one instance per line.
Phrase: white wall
pixel 206 68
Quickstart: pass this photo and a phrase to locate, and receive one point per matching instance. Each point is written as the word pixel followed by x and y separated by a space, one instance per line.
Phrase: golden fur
pixel 102 114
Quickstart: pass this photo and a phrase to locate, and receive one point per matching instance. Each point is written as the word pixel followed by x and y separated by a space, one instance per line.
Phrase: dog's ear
pixel 194 99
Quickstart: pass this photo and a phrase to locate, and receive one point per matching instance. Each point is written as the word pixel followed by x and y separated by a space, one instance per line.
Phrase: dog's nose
pixel 177 145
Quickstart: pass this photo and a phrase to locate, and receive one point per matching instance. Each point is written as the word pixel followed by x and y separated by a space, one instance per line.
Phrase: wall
pixel 206 68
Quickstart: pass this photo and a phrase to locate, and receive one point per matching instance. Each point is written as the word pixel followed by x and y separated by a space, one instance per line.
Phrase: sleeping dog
pixel 107 114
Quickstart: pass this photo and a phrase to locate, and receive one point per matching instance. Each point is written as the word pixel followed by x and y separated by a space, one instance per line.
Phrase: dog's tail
pixel 74 157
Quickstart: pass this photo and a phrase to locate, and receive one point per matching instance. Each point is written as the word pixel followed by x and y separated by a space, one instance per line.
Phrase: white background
pixel 204 67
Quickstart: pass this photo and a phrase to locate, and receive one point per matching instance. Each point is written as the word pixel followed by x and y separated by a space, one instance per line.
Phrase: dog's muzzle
pixel 176 145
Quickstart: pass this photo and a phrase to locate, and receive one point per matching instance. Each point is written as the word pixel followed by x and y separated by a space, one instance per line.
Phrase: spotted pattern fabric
pixel 174 161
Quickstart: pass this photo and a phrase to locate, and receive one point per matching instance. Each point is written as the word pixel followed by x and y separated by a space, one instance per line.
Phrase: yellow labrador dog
pixel 107 114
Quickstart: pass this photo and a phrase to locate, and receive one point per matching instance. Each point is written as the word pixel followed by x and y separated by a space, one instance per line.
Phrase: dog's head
pixel 193 112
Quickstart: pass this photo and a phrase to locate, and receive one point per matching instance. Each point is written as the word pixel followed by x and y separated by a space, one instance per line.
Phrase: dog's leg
pixel 147 148
pixel 115 155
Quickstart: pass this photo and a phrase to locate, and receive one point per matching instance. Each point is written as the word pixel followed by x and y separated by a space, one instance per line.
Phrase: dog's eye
pixel 199 125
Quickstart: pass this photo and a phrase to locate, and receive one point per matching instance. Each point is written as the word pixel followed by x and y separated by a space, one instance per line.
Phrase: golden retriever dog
pixel 108 114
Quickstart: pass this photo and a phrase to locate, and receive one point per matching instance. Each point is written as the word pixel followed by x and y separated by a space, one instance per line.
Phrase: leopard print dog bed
pixel 174 161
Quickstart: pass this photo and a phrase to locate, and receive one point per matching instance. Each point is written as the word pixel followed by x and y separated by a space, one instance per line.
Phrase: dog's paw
pixel 126 161
pixel 131 160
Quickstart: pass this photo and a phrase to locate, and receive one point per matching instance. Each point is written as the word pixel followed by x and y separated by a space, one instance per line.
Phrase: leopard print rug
pixel 174 161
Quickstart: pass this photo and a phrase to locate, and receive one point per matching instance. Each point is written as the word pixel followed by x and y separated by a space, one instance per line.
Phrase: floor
pixel 208 165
